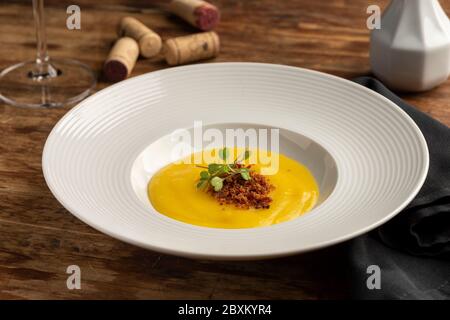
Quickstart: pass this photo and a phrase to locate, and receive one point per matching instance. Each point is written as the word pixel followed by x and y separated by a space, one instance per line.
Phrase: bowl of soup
pixel 311 160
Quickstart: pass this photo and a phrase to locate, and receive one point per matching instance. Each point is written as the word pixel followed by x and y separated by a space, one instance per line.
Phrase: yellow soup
pixel 172 192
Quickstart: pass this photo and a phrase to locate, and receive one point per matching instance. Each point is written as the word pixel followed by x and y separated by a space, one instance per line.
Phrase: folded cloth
pixel 413 249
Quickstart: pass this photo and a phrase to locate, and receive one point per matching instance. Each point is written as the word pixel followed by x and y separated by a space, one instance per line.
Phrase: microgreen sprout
pixel 216 173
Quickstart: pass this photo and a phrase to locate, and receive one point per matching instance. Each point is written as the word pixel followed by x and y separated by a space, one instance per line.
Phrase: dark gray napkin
pixel 413 249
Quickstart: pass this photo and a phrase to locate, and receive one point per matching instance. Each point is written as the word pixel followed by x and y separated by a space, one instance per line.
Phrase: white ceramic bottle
pixel 411 50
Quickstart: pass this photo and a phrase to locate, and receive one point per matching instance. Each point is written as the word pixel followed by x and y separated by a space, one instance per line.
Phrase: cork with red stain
pixel 198 13
pixel 121 59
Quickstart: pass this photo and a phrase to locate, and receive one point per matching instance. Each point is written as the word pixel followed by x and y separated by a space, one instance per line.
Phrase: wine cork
pixel 191 48
pixel 149 41
pixel 198 13
pixel 121 59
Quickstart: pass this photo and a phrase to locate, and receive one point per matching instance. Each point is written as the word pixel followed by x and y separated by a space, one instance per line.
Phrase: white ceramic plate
pixel 368 156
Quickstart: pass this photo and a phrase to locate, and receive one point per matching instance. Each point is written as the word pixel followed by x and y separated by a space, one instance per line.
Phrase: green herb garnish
pixel 217 172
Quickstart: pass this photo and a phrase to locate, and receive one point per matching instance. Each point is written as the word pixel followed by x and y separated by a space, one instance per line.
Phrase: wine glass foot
pixel 63 82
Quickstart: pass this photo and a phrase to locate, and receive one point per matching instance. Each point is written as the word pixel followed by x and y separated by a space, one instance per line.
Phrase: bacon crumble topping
pixel 246 194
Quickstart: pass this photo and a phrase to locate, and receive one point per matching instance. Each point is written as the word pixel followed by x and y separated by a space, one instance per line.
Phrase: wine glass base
pixel 71 82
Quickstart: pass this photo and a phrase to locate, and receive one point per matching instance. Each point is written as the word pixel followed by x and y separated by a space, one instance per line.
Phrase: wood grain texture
pixel 39 238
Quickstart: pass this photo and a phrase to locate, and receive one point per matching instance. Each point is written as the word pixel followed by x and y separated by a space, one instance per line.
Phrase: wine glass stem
pixel 41 37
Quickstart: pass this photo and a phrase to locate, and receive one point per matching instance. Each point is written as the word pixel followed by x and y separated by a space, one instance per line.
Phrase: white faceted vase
pixel 411 50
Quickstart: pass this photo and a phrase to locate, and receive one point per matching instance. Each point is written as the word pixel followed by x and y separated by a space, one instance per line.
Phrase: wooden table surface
pixel 39 238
